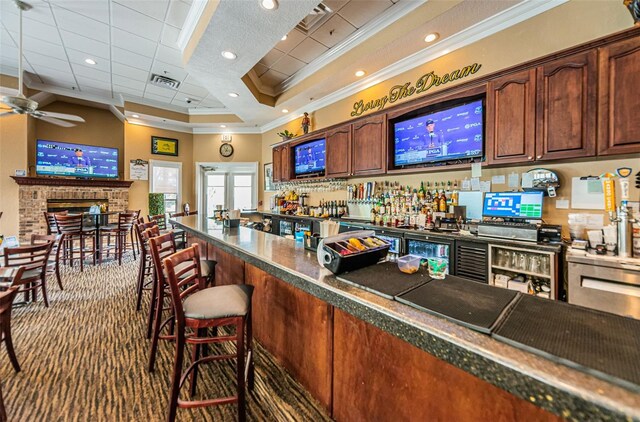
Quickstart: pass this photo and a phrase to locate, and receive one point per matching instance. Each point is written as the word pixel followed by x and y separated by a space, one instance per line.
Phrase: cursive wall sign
pixel 424 83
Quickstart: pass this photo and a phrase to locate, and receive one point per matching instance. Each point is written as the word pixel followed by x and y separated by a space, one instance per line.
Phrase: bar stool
pixel 164 246
pixel 34 259
pixel 161 219
pixel 145 270
pixel 72 229
pixel 135 242
pixel 6 301
pixel 120 232
pixel 50 218
pixel 53 263
pixel 198 308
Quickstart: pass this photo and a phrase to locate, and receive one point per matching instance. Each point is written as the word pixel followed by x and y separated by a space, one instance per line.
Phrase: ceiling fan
pixel 23 105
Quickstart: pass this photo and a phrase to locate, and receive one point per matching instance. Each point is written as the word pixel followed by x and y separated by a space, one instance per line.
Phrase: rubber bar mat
pixel 602 344
pixel 469 303
pixel 385 279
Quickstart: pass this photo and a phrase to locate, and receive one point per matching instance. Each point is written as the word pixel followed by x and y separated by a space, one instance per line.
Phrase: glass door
pixel 215 186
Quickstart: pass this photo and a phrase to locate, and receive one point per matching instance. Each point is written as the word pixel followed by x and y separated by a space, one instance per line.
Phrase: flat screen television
pixel 309 158
pixel 521 205
pixel 450 131
pixel 76 160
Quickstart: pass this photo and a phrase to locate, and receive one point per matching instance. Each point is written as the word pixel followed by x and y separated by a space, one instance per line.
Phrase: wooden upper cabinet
pixel 276 152
pixel 566 107
pixel 619 98
pixel 285 163
pixel 338 152
pixel 369 146
pixel 510 118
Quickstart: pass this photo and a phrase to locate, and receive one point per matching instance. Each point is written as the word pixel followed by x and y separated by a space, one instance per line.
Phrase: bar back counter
pixel 367 357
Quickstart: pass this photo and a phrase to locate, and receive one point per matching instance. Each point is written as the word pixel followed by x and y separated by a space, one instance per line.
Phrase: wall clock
pixel 226 150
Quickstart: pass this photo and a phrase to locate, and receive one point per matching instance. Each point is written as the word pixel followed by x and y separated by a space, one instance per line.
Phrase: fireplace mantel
pixel 60 181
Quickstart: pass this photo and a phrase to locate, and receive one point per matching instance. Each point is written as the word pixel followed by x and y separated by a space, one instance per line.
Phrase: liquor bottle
pixel 435 203
pixel 421 192
pixel 454 194
pixel 442 206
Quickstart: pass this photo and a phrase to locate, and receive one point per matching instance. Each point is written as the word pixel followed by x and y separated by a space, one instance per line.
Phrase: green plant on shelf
pixel 156 203
pixel 286 135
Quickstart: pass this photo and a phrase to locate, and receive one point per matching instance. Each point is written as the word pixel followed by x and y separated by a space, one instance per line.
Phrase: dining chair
pixel 196 309
pixel 72 229
pixel 34 259
pixel 120 233
pixel 53 264
pixel 6 305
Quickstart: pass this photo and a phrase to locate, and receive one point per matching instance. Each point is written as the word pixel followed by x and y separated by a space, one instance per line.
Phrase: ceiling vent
pixel 164 82
pixel 313 20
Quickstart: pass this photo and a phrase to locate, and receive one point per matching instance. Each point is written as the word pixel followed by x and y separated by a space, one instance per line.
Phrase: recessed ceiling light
pixel 234 95
pixel 360 73
pixel 89 61
pixel 284 110
pixel 135 116
pixel 223 125
pixel 229 55
pixel 269 4
pixel 284 37
pixel 431 37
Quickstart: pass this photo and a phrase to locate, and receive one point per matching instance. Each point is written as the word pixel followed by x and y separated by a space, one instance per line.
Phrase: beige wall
pixel 101 128
pixel 137 141
pixel 565 26
pixel 13 156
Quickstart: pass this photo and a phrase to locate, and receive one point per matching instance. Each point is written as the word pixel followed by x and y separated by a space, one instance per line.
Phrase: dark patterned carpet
pixel 84 359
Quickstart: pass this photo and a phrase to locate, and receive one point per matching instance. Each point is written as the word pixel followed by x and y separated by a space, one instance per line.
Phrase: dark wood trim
pixel 59 181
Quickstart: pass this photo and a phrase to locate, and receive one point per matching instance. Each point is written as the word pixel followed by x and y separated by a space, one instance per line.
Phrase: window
pixel 229 186
pixel 242 191
pixel 166 177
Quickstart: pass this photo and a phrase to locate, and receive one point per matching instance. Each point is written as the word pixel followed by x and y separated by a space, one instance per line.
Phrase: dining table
pixel 99 219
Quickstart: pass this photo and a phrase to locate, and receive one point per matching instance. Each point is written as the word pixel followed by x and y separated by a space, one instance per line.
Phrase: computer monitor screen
pixel 523 205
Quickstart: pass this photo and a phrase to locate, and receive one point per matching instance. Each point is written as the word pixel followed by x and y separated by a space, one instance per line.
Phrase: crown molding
pixel 395 12
pixel 499 22
pixel 230 130
pixel 159 125
pixel 191 21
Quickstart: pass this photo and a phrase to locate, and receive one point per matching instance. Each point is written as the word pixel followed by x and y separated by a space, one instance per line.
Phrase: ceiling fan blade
pixel 62 116
pixel 54 121
pixel 6 113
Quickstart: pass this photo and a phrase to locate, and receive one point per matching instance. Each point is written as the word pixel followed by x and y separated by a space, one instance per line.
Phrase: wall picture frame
pixel 268 177
pixel 164 146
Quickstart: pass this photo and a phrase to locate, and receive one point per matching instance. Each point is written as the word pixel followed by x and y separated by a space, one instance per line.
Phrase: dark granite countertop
pixel 546 247
pixel 557 388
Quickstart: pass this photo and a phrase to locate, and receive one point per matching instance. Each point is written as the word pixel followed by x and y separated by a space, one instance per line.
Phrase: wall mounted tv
pixel 448 132
pixel 309 158
pixel 75 160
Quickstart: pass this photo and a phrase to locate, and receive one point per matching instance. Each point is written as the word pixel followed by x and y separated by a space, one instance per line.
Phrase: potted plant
pixel 156 203
pixel 286 135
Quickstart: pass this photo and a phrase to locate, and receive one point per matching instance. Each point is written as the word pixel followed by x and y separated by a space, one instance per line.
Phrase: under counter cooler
pixel 427 246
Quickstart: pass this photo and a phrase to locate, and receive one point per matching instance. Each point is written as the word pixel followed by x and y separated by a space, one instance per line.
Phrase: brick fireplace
pixel 37 193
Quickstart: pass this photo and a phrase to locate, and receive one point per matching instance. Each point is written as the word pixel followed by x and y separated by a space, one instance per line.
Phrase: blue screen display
pixel 309 157
pixel 64 159
pixel 527 205
pixel 450 134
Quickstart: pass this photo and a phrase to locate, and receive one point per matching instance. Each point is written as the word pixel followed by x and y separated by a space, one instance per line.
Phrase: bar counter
pixel 482 377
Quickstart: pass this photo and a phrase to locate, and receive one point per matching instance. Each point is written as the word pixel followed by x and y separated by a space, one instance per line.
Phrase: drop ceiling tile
pixel 191 89
pixel 9 51
pixel 169 55
pixel 81 25
pixel 171 71
pixel 92 83
pixel 308 50
pixel 6 38
pixel 159 91
pixel 126 90
pixel 132 59
pixel 294 37
pixel 169 36
pixel 32 29
pixel 129 83
pixel 211 103
pixel 181 101
pixel 178 11
pixel 133 43
pixel 333 31
pixel 129 72
pixel 271 78
pixel 97 92
pixel 288 65
pixel 158 98
pixel 94 9
pixel 157 9
pixel 43 47
pixel 80 43
pixel 85 72
pixel 64 78
pixel 260 69
pixel 38 60
pixel 335 5
pixel 40 12
pixel 358 15
pixel 135 22
pixel 272 56
pixel 77 58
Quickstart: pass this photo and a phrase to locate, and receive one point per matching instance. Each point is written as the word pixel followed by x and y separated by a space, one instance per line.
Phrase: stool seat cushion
pixel 219 302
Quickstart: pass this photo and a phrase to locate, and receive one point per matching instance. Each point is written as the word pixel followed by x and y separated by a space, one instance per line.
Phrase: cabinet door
pixel 285 163
pixel 338 155
pixel 566 107
pixel 511 109
pixel 619 102
pixel 277 165
pixel 369 149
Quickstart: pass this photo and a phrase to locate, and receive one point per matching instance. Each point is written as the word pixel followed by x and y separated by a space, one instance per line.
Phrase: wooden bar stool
pixel 120 232
pixel 6 301
pixel 34 259
pixel 197 309
pixel 50 218
pixel 161 219
pixel 135 242
pixel 164 246
pixel 53 264
pixel 145 270
pixel 71 228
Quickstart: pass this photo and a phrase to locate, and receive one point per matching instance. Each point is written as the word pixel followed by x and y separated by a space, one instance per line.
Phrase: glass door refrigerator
pixel 395 239
pixel 427 246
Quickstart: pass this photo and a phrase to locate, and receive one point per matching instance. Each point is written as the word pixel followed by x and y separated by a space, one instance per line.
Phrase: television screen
pixel 447 134
pixel 309 157
pixel 64 159
pixel 527 205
